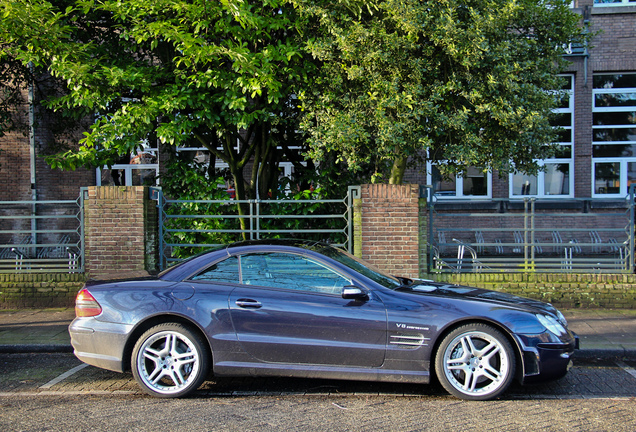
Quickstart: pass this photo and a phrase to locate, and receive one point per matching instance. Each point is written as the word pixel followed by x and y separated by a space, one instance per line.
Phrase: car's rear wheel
pixel 169 360
pixel 475 362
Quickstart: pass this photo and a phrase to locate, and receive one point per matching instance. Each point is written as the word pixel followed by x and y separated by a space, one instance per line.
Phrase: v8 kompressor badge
pixel 410 327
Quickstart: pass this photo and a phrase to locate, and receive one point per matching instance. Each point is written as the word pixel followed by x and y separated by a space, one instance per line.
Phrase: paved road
pixel 57 392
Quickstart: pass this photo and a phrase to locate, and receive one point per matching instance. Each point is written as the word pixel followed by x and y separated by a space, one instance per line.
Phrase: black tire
pixel 170 361
pixel 475 362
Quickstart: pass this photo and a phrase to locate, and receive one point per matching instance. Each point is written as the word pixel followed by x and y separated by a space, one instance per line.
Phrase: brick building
pixel 24 175
pixel 597 159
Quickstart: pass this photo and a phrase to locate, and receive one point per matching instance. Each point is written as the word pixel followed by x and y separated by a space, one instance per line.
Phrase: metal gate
pixel 187 227
pixel 42 236
pixel 580 236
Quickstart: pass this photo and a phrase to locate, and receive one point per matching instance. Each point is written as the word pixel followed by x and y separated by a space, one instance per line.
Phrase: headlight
pixel 562 319
pixel 552 325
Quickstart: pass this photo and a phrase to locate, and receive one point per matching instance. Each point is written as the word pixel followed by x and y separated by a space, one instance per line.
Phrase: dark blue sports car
pixel 306 309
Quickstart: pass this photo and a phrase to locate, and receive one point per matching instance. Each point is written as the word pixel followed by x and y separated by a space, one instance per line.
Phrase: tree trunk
pixel 397 170
pixel 240 193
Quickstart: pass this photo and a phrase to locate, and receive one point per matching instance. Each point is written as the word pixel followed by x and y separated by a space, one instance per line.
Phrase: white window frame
pixel 286 167
pixel 130 167
pixel 540 177
pixel 622 161
pixel 598 3
pixel 459 187
pixel 128 172
pixel 623 180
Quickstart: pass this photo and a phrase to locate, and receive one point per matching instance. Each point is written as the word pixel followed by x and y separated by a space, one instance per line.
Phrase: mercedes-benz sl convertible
pixel 307 309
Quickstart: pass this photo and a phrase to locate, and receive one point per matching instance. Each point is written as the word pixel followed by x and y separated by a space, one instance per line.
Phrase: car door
pixel 289 309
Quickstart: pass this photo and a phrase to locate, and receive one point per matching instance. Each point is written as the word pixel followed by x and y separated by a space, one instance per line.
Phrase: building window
pixel 553 181
pixel 601 3
pixel 474 183
pixel 556 177
pixel 141 169
pixel 614 134
pixel 201 155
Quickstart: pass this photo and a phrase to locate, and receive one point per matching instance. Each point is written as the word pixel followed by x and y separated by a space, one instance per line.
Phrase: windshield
pixel 362 267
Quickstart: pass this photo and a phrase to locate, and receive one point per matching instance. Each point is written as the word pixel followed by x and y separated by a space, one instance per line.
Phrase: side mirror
pixel 354 293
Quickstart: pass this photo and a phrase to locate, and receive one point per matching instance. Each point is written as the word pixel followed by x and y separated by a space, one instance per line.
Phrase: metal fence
pixel 502 236
pixel 532 236
pixel 189 226
pixel 41 236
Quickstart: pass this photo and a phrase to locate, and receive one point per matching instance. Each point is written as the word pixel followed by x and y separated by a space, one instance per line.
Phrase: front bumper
pixel 549 360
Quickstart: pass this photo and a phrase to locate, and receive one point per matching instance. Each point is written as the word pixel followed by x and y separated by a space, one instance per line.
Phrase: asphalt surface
pixel 604 333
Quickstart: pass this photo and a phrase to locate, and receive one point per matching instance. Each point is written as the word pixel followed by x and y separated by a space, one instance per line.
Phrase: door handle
pixel 248 303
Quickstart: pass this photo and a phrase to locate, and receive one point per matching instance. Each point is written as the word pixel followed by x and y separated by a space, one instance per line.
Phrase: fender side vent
pixel 409 340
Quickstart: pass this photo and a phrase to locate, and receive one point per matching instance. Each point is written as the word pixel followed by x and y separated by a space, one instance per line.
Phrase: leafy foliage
pixel 204 215
pixel 219 75
pixel 197 218
pixel 462 82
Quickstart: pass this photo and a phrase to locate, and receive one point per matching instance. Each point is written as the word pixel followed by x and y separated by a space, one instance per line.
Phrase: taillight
pixel 86 305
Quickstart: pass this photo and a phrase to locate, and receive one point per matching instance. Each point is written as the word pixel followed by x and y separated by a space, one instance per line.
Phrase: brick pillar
pixel 120 225
pixel 387 229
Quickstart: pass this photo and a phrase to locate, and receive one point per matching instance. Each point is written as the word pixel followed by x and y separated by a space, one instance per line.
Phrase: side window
pixel 289 271
pixel 223 271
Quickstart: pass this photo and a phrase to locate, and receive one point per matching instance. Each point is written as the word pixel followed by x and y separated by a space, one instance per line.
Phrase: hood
pixel 479 294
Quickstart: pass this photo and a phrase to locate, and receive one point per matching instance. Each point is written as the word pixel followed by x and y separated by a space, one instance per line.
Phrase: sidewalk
pixel 35 330
pixel 604 333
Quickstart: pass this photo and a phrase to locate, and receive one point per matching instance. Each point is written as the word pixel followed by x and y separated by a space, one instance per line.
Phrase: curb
pixel 604 354
pixel 35 348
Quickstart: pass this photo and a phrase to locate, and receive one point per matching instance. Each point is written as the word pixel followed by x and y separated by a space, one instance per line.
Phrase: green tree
pixel 26 29
pixel 462 82
pixel 215 74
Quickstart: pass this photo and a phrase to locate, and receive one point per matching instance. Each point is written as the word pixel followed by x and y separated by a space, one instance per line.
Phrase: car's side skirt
pixel 230 368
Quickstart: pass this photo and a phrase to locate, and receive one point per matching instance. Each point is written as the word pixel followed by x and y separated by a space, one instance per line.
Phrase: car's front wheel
pixel 475 362
pixel 169 360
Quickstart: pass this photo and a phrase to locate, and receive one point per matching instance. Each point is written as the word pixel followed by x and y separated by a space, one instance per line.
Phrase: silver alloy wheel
pixel 168 362
pixel 476 361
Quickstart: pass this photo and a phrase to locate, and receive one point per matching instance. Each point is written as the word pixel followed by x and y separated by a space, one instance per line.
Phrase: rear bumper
pixel 98 343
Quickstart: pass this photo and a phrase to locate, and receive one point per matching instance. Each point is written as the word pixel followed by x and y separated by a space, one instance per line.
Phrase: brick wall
pixel 614 291
pixel 121 238
pixel 612 49
pixel 15 161
pixel 614 45
pixel 39 290
pixel 120 229
pixel 387 227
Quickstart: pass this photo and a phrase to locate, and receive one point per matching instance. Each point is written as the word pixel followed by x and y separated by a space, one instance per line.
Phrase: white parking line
pixel 68 393
pixel 63 376
pixel 630 370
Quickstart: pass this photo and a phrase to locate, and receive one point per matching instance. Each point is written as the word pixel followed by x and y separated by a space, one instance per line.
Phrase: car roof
pixel 303 244
pixel 184 269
